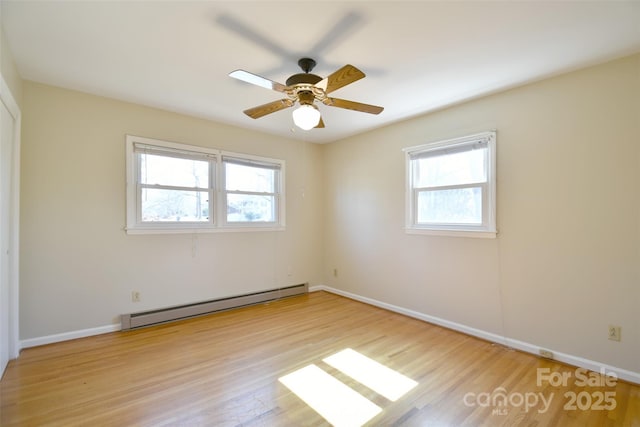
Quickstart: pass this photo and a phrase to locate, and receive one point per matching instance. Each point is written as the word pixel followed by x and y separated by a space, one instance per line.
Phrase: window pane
pixel 455 206
pixel 174 206
pixel 163 170
pixel 250 208
pixel 249 178
pixel 464 167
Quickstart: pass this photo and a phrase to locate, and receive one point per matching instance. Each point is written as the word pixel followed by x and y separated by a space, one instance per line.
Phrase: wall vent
pixel 153 317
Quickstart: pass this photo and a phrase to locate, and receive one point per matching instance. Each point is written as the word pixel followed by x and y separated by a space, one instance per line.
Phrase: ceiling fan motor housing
pixel 306 97
pixel 303 78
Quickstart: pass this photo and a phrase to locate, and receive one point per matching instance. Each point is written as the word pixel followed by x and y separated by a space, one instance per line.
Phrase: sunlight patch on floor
pixel 338 403
pixel 332 399
pixel 384 381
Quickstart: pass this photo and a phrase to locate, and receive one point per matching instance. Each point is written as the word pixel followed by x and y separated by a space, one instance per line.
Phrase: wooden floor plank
pixel 223 370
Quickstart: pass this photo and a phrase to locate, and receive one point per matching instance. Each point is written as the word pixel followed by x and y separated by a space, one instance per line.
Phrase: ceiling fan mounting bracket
pixel 305 78
pixel 306 64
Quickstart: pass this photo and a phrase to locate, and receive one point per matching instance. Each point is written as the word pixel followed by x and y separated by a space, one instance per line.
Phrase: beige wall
pixel 565 265
pixel 78 267
pixel 566 262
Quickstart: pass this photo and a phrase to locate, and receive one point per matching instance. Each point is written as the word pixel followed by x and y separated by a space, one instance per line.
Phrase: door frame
pixel 10 103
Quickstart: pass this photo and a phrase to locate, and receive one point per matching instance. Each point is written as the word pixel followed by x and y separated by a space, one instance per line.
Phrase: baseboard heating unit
pixel 153 317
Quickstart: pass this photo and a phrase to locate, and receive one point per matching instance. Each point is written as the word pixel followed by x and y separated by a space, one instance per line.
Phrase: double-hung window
pixel 451 187
pixel 251 191
pixel 174 187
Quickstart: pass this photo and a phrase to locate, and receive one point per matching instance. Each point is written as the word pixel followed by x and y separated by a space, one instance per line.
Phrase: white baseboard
pixel 65 336
pixel 577 361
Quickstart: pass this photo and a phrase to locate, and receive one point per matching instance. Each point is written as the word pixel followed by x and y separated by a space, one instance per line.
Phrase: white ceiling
pixel 419 56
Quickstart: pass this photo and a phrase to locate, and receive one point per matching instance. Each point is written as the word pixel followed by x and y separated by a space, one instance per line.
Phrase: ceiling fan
pixel 306 88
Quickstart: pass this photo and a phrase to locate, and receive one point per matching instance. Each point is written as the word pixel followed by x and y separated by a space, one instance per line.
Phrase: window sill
pixel 195 230
pixel 453 233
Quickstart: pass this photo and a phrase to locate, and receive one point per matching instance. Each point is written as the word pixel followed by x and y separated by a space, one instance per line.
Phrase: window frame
pixel 278 194
pixel 217 195
pixel 487 228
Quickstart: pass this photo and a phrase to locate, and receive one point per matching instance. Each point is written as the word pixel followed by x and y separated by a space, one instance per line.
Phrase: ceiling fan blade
pixel 320 124
pixel 257 80
pixel 344 76
pixel 271 107
pixel 351 105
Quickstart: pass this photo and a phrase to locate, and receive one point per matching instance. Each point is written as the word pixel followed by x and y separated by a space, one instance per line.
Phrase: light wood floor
pixel 223 370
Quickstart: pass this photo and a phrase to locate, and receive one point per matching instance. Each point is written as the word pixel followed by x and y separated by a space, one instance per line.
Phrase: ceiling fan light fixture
pixel 304 89
pixel 306 117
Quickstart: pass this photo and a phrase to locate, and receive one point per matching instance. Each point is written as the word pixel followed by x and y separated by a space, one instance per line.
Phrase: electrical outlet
pixel 615 333
pixel 335 272
pixel 135 296
pixel 547 354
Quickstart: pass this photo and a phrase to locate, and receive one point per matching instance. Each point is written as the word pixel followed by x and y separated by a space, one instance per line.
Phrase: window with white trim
pixel 451 187
pixel 175 187
pixel 250 190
